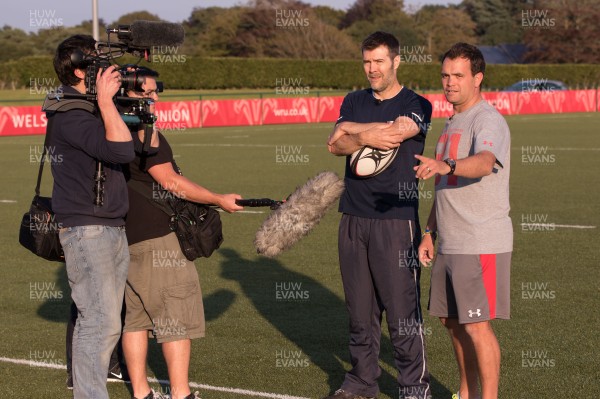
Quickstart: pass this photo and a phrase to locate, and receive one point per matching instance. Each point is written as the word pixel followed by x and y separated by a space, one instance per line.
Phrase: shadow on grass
pixel 64 311
pixel 58 310
pixel 315 321
pixel 307 314
pixel 215 305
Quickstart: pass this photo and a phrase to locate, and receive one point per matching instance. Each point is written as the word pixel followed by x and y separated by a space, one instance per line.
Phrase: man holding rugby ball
pixel 382 128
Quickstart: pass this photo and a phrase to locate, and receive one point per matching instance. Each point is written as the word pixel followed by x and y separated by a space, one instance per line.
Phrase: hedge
pixel 224 73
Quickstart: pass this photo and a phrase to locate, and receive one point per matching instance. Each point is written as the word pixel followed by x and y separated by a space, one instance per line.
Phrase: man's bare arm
pixel 344 128
pixel 473 167
pixel 426 248
pixel 404 125
pixel 382 136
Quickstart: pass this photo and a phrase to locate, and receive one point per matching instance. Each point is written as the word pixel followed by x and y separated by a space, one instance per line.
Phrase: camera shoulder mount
pixel 55 102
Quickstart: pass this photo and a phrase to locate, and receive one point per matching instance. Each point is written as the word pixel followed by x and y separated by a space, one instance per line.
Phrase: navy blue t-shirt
pixel 392 194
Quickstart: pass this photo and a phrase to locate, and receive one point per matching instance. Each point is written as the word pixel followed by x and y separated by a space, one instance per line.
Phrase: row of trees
pixel 554 31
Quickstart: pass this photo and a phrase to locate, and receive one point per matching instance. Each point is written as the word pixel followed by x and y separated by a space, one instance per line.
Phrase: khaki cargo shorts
pixel 163 294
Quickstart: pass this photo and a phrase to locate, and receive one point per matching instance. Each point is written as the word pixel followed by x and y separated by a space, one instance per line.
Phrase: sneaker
pixel 341 394
pixel 194 395
pixel 457 396
pixel 152 395
pixel 116 374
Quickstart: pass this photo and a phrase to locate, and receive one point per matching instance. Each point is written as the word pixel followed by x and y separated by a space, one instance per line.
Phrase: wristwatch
pixel 428 232
pixel 452 163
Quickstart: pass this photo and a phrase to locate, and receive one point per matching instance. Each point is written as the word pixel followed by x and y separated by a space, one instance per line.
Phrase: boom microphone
pixel 146 34
pixel 297 216
pixel 258 202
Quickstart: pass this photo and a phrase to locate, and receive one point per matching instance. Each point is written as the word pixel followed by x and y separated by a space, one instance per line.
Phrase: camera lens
pixel 131 81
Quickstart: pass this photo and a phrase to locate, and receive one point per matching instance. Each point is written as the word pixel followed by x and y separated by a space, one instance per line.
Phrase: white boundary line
pixel 222 211
pixel 567 226
pixel 33 363
pixel 233 390
pixel 239 391
pixel 8 202
pixel 565 115
pixel 573 149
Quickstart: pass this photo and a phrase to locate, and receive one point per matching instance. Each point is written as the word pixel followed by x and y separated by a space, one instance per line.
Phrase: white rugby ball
pixel 369 162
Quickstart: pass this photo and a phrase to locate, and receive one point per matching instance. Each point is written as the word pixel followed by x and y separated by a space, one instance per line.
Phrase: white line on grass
pixel 574 149
pixel 33 363
pixel 222 211
pixel 567 226
pixel 8 201
pixel 239 391
pixel 233 390
pixel 567 115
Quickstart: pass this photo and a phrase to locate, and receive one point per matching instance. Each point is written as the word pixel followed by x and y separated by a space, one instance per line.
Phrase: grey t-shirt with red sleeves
pixel 472 214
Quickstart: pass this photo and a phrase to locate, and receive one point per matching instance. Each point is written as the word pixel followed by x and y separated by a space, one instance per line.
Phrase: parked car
pixel 533 85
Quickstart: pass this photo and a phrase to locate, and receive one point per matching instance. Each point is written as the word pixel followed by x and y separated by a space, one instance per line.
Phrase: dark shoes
pixel 341 394
pixel 157 395
pixel 152 395
pixel 115 373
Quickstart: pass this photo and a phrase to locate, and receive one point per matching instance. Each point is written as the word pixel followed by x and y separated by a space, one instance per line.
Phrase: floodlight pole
pixel 95 29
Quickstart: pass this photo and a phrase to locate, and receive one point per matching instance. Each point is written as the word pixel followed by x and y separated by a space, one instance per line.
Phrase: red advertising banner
pixel 180 115
pixel 523 103
pixel 301 110
pixel 22 120
pixel 242 112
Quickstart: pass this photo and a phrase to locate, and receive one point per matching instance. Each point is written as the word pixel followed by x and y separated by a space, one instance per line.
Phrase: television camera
pixel 137 39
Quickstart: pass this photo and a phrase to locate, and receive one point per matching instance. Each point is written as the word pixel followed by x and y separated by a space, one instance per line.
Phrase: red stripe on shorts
pixel 488 268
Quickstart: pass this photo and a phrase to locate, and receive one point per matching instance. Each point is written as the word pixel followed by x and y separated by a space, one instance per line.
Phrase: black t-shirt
pixel 392 194
pixel 144 220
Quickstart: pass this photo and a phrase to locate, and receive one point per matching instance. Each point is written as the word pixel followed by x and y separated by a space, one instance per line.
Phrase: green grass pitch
pixel 298 347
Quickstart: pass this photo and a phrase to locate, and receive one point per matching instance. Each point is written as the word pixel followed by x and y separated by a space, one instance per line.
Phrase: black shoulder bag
pixel 198 226
pixel 39 229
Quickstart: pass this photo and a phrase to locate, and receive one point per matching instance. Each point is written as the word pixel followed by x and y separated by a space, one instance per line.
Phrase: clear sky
pixel 31 15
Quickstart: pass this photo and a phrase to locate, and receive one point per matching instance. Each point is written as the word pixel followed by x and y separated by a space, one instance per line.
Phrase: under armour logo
pixel 477 312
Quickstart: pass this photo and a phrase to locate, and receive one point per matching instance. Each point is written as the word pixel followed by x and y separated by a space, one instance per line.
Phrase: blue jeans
pixel 97 259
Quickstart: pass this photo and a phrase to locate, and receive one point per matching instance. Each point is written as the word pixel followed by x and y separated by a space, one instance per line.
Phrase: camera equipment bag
pixel 198 226
pixel 39 229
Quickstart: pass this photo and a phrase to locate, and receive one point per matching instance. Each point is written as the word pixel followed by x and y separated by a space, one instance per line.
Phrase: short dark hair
pixel 146 72
pixel 380 38
pixel 469 52
pixel 63 66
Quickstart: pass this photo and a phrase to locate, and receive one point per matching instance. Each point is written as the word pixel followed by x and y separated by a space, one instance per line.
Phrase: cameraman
pixel 163 294
pixel 92 235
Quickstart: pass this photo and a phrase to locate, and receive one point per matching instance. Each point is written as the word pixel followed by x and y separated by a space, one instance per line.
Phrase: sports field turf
pixel 298 347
